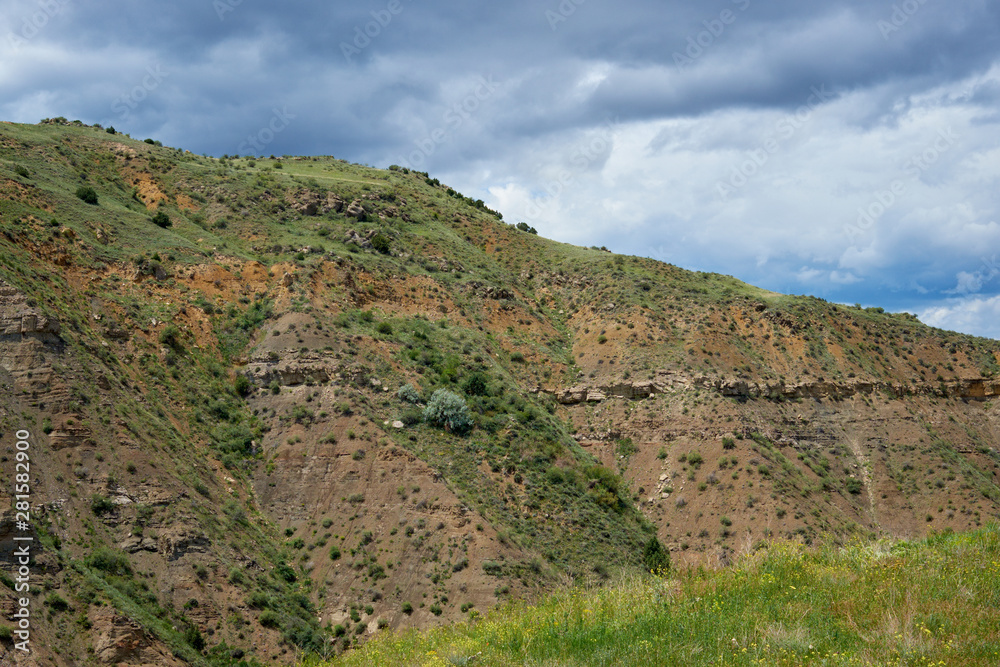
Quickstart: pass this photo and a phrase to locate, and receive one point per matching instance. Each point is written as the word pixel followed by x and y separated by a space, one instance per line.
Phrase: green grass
pixel 935 601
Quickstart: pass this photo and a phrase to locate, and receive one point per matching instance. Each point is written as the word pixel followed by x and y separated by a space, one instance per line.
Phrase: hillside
pixel 209 356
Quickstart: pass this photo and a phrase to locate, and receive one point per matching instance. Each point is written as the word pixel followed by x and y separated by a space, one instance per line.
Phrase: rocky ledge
pixel 975 389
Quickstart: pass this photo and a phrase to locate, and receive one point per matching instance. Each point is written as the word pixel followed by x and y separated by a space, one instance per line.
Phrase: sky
pixel 846 149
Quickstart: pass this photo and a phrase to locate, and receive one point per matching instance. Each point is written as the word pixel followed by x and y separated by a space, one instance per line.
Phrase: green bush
pixel 161 219
pixel 242 385
pixel 21 171
pixel 193 636
pixel 448 410
pixel 655 557
pixel 407 608
pixel 171 337
pixel 408 393
pixel 110 562
pixel 285 572
pixel 853 485
pixel 101 505
pixel 87 194
pixel 381 243
pixel 56 602
pixel 475 385
pixel 728 443
pixel 384 328
pixel 270 619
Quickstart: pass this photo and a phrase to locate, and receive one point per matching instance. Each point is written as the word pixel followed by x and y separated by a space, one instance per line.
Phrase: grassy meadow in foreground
pixel 929 602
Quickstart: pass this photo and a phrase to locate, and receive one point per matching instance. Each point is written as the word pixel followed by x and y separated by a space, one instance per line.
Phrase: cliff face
pixel 223 460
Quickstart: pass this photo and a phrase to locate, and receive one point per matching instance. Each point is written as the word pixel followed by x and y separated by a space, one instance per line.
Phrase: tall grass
pixel 931 602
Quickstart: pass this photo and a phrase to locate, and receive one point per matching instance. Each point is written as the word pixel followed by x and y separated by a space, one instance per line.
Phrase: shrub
pixel 448 410
pixel 259 600
pixel 475 385
pixel 334 553
pixel 56 602
pixel 728 443
pixel 161 219
pixel 380 242
pixel 435 609
pixel 625 447
pixel 21 171
pixel 411 416
pixel 101 505
pixel 695 459
pixel 655 557
pixel 242 385
pixel 87 194
pixel 492 568
pixel 285 572
pixel 270 619
pixel 854 485
pixel 110 562
pixel 408 393
pixel 384 328
pixel 407 608
pixel 170 337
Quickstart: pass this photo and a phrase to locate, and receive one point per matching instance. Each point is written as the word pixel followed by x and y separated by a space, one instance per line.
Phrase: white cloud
pixel 978 315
